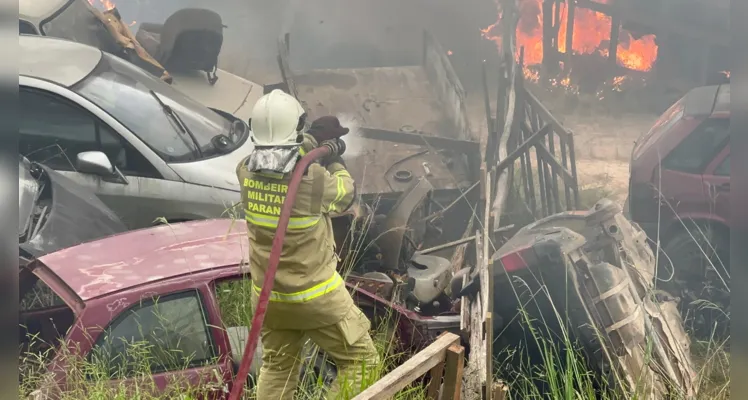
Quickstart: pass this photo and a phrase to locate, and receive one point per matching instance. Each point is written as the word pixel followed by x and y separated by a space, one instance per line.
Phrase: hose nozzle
pixel 336 146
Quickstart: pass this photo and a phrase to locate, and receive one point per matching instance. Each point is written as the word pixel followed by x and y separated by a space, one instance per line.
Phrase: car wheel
pixel 694 266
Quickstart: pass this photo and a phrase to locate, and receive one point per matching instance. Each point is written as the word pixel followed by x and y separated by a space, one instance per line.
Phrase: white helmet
pixel 277 119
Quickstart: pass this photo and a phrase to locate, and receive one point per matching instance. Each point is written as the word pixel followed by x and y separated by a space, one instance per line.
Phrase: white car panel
pixel 40 58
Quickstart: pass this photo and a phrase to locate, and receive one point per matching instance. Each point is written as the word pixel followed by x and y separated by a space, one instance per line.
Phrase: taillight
pixel 515 260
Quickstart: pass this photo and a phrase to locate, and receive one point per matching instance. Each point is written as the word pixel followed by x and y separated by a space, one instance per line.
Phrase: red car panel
pixel 672 175
pixel 106 281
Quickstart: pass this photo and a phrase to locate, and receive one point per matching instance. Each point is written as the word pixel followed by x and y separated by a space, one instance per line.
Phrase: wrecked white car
pixel 144 148
pixel 183 51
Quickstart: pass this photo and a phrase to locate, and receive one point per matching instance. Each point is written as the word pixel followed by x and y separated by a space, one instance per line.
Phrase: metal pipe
pixel 459 241
pixel 267 285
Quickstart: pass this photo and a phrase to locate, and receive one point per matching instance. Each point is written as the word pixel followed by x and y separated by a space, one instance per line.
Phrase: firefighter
pixel 309 299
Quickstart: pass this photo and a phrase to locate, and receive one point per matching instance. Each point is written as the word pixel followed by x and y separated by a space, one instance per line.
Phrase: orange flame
pixel 106 4
pixel 591 34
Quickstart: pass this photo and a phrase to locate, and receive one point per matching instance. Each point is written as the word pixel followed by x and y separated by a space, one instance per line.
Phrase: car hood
pixel 230 93
pixel 219 172
pixel 77 216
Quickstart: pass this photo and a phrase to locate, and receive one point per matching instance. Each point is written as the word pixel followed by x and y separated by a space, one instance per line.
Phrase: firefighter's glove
pixel 337 148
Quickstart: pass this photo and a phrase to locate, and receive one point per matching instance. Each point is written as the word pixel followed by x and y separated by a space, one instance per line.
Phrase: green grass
pixel 562 372
pixel 91 378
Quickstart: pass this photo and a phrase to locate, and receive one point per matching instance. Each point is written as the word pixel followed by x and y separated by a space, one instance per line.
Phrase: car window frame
pixel 720 164
pixel 708 158
pixel 99 126
pixel 214 356
pixel 34 31
pixel 65 102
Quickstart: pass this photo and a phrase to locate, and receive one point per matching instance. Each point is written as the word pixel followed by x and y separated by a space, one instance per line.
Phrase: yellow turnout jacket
pixel 308 292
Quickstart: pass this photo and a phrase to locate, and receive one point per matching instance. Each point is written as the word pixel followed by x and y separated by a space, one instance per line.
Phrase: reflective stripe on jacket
pixel 306 283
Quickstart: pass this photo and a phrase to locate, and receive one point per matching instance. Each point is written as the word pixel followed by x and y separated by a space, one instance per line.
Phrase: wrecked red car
pixel 109 292
pixel 679 193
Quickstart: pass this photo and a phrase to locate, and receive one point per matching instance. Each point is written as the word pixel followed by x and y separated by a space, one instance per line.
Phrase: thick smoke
pixel 336 33
pixel 353 142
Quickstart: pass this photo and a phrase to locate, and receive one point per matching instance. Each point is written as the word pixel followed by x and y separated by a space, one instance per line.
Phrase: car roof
pixel 133 258
pixel 38 9
pixel 61 61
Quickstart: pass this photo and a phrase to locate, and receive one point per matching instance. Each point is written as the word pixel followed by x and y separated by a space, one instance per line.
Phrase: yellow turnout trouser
pixel 348 343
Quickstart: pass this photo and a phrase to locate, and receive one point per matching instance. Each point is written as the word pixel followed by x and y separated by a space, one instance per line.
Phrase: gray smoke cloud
pixel 354 146
pixel 336 33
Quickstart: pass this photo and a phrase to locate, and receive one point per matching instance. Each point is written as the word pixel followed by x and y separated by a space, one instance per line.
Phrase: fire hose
pixel 267 285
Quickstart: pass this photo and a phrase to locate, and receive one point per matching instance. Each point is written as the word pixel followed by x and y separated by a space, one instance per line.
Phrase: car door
pixel 682 171
pixel 168 337
pixel 54 129
pixel 717 186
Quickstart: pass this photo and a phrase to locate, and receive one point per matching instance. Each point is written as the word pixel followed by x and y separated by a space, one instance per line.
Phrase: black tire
pixel 694 266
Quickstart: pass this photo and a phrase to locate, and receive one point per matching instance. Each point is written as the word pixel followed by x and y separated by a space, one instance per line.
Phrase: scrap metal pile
pixel 425 242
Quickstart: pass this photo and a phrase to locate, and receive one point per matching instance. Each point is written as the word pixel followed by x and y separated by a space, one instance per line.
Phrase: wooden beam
pixel 500 391
pixel 606 9
pixel 573 163
pixel 485 278
pixel 476 368
pixel 557 167
pixel 570 10
pixel 414 368
pixel 615 30
pixel 545 115
pixel 556 22
pixel 660 23
pixel 548 50
pixel 512 157
pixel 487 102
pixel 435 385
pixel 455 361
pixel 284 56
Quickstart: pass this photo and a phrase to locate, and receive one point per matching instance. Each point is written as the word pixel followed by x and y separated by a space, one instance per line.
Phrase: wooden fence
pixel 444 359
pixel 544 150
pixel 523 136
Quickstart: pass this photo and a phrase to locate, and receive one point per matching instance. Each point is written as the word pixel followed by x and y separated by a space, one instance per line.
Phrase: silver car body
pixel 187 191
pixel 230 93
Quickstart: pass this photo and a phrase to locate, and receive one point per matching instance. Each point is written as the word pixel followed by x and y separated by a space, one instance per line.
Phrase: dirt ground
pixel 603 147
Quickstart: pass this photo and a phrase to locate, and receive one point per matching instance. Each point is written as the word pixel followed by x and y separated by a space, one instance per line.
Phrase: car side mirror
pixel 94 162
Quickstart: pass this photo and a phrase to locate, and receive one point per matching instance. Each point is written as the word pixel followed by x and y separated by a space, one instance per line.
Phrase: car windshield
pixel 662 125
pixel 133 97
pixel 78 23
pixel 28 192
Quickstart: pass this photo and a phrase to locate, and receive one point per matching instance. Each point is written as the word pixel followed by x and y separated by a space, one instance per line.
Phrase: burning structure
pixel 582 43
